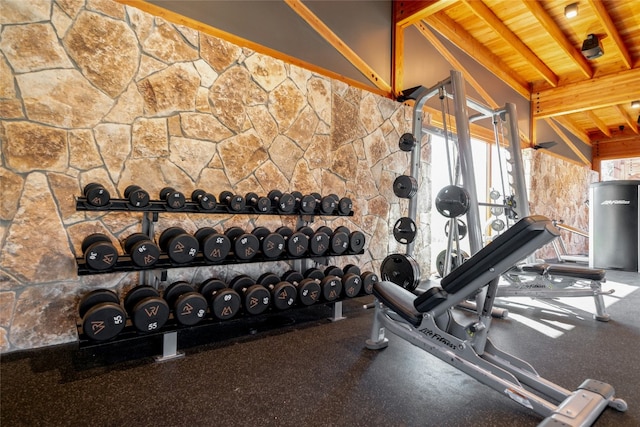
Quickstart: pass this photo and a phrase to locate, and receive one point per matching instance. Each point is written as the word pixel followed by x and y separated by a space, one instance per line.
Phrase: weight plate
pixel 314 273
pixel 407 142
pixel 284 295
pixel 292 276
pixel 225 303
pixel 190 308
pixel 369 278
pixel 356 241
pixel 256 299
pixel 402 270
pixel 405 186
pixel 272 245
pixel 452 201
pixel 245 246
pixel 331 288
pixel 351 283
pixel 442 256
pixel 307 205
pixel 339 242
pixel 150 314
pixel 319 243
pixel 101 256
pixel 462 228
pixel 297 244
pixel 215 247
pixel 94 298
pixel 351 269
pixel 345 205
pixel 103 321
pixel 405 230
pixel 136 196
pixel 309 291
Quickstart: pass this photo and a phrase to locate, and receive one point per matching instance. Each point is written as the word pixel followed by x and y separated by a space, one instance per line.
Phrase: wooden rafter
pixel 568 141
pixel 407 13
pixel 575 130
pixel 598 122
pixel 452 31
pixel 606 21
pixel 630 122
pixel 556 33
pixel 484 13
pixel 599 92
pixel 323 30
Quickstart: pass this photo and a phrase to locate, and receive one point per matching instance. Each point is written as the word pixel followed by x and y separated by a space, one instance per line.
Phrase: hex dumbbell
pixel 214 246
pixel 136 196
pixel 296 242
pixel 308 288
pixel 284 202
pixel 180 246
pixel 147 310
pixel 272 245
pixel 98 252
pixel 175 199
pixel 144 253
pixel 96 194
pixel 206 201
pixel 259 203
pixel 283 293
pixel 244 245
pixel 234 202
pixel 224 302
pixel 102 316
pixel 255 298
pixel 189 307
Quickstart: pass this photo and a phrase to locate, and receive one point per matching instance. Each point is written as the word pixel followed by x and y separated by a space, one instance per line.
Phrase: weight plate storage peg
pixel 452 201
pixel 234 202
pixel 99 253
pixel 174 199
pixel 407 142
pixel 405 186
pixel 405 230
pixel 180 246
pixel 224 302
pixel 96 194
pixel 102 316
pixel 244 245
pixel 136 196
pixel 206 201
pixel 259 203
pixel 402 270
pixel 143 251
pixel 189 307
pixel 214 246
pixel 283 293
pixel 272 245
pixel 255 298
pixel 147 310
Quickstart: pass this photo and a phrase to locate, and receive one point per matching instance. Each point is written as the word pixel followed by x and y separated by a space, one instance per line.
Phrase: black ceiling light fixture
pixel 545 145
pixel 592 47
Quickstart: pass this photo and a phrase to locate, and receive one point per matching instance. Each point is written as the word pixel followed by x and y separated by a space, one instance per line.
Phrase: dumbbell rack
pixel 151 212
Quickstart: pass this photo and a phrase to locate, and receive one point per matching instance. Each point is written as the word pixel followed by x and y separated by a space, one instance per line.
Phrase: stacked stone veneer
pixel 94 91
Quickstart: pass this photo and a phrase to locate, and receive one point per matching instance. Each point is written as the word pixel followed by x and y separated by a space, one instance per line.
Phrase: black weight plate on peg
pixel 339 242
pixel 351 283
pixel 407 142
pixel 284 295
pixel 174 199
pixel 95 297
pixel 309 291
pixel 351 269
pixel 328 204
pixel 96 194
pixel 214 246
pixel 452 201
pixel 345 205
pixel 181 247
pixel 143 251
pixel 292 276
pixel 441 258
pixel 369 278
pixel 356 241
pixel 462 228
pixel 314 273
pixel 136 196
pixel 148 312
pixel 103 321
pixel 331 288
pixel 402 270
pixel 333 270
pixel 298 244
pixel 99 253
pixel 405 230
pixel 224 302
pixel 319 243
pixel 405 186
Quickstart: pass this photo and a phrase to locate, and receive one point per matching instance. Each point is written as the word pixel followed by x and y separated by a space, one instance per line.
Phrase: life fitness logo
pixel 615 202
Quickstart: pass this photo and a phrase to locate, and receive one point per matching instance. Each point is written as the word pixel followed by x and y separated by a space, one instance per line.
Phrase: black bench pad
pixel 565 270
pixel 398 299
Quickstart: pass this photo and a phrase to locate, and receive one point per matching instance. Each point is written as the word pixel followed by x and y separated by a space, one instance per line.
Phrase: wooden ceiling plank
pixel 599 92
pixel 407 13
pixel 630 122
pixel 598 122
pixel 486 15
pixel 568 141
pixel 605 19
pixel 558 36
pixel 323 30
pixel 457 35
pixel 573 128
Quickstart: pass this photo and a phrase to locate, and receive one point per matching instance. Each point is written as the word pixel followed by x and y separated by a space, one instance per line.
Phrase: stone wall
pixel 94 91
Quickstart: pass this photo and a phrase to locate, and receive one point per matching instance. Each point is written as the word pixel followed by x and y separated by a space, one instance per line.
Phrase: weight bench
pixel 426 322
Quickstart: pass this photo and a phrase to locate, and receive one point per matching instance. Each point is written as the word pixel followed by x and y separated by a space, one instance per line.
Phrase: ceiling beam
pixel 325 32
pixel 630 122
pixel 568 141
pixel 535 7
pixel 598 122
pixel 605 19
pixel 485 14
pixel 457 35
pixel 407 13
pixel 620 149
pixel 575 130
pixel 600 92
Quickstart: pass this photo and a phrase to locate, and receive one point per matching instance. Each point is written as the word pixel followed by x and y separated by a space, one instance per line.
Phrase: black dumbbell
pixel 369 278
pixel 351 268
pixel 206 201
pixel 272 245
pixel 234 202
pixel 144 253
pixel 96 194
pixel 327 204
pixel 259 203
pixel 98 251
pixel 255 298
pixel 296 242
pixel 314 273
pixel 318 241
pixel 356 239
pixel 351 284
pixel 333 270
pixel 174 199
pixel 244 245
pixel 102 316
pixel 345 206
pixel 147 310
pixel 189 307
pixel 308 288
pixel 283 293
pixel 331 287
pixel 214 246
pixel 305 204
pixel 224 302
pixel 180 246
pixel 284 202
pixel 338 239
pixel 136 196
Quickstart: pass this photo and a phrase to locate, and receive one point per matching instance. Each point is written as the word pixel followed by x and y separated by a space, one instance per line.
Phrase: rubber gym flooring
pixel 318 373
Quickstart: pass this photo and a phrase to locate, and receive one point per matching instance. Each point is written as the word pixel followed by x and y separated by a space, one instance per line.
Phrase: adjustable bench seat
pixel 564 270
